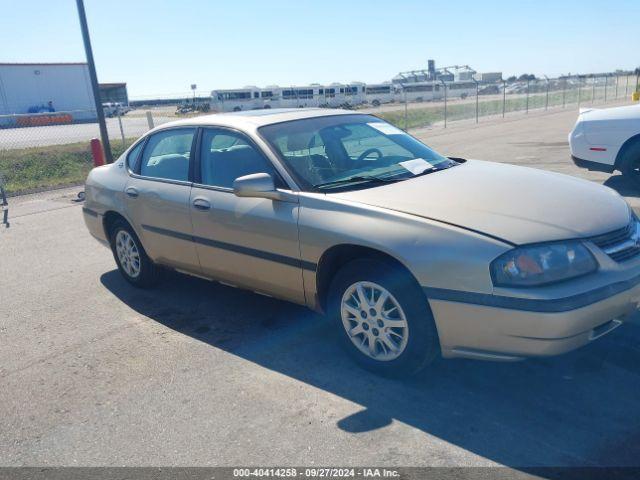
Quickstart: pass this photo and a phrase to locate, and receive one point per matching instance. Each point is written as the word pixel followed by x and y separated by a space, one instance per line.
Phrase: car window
pixel 320 151
pixel 166 154
pixel 134 156
pixel 225 156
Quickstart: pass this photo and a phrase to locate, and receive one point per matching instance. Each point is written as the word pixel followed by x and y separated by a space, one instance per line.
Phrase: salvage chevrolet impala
pixel 410 253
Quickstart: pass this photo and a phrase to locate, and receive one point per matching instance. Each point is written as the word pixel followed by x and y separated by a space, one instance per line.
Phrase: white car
pixel 608 139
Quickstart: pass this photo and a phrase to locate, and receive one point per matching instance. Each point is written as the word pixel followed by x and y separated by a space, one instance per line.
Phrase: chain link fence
pixel 499 99
pixel 50 149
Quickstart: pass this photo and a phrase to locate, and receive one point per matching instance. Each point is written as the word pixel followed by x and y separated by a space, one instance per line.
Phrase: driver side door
pixel 248 242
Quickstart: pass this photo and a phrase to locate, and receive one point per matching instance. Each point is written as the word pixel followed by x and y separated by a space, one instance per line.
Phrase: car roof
pixel 256 118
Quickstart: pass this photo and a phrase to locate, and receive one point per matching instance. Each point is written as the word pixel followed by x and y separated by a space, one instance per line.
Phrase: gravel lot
pixel 94 372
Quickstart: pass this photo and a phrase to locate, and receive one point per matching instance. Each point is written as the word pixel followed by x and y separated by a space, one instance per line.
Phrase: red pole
pixel 97 152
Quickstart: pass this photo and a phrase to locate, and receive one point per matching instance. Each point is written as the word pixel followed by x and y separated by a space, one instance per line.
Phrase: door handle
pixel 132 192
pixel 201 204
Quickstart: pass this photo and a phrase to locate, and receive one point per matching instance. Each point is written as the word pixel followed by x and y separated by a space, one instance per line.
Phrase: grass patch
pixel 32 168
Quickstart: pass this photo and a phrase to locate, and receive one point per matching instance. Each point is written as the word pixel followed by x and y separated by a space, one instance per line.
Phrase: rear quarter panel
pixel 104 192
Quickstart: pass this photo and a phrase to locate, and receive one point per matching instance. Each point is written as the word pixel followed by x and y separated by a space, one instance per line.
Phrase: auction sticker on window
pixel 416 166
pixel 386 128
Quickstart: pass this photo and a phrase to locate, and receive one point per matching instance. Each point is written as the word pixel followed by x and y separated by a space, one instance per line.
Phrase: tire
pixel 630 162
pixel 147 274
pixel 417 344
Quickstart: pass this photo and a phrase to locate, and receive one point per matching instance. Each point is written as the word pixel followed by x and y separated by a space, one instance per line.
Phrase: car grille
pixel 621 244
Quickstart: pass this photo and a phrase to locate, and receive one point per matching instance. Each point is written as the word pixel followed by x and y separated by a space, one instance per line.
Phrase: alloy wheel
pixel 128 254
pixel 374 321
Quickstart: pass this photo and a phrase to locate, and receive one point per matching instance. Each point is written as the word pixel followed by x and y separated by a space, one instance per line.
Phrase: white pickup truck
pixel 112 109
pixel 608 139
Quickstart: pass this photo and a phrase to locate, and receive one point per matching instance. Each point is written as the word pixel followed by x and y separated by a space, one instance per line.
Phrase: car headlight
pixel 542 264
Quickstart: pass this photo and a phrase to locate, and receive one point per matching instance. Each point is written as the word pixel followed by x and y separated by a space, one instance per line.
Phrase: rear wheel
pixel 132 260
pixel 383 318
pixel 630 162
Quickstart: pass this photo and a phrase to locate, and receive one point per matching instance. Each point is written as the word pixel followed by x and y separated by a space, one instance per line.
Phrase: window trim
pixel 197 169
pixel 189 181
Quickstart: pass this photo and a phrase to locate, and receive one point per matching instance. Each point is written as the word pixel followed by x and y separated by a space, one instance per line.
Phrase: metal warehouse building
pixel 33 88
pixel 37 87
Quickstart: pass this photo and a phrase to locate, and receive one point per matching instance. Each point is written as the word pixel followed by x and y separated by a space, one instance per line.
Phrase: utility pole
pixel 104 135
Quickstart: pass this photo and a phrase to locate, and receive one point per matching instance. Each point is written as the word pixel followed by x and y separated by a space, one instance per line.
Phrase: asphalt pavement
pixel 94 372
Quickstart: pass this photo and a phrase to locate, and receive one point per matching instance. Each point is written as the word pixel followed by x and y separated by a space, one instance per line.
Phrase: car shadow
pixel 580 409
pixel 623 186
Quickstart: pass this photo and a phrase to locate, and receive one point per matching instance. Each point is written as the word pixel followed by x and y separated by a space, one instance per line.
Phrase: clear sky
pixel 161 47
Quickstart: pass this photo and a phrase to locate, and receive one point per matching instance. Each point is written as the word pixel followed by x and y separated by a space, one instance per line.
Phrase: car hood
pixel 517 204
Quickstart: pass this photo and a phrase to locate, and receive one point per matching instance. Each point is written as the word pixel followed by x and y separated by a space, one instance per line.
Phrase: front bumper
pixel 496 333
pixel 591 165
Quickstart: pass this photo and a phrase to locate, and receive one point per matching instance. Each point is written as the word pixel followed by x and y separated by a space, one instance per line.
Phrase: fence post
pixel 626 87
pixel 504 96
pixel 527 108
pixel 445 103
pixel 120 123
pixel 477 92
pixel 546 100
pixel 564 93
pixel 406 113
pixel 150 120
pixel 617 81
pixel 606 82
pixel 579 91
pixel 593 90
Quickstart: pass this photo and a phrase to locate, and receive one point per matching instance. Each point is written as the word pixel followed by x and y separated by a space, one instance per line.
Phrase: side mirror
pixel 260 185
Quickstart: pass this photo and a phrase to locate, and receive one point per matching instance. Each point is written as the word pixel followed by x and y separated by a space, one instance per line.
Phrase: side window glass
pixel 167 154
pixel 134 157
pixel 225 156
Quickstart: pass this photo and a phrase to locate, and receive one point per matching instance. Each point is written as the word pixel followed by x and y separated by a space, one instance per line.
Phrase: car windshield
pixel 349 151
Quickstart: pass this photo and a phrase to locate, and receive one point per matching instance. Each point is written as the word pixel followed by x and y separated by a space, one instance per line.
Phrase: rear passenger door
pixel 157 198
pixel 249 242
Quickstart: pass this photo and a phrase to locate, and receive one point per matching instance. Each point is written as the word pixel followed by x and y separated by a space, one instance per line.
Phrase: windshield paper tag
pixel 416 166
pixel 386 128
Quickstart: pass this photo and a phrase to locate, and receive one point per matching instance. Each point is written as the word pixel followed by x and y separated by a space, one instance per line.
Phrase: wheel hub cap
pixel 128 254
pixel 374 321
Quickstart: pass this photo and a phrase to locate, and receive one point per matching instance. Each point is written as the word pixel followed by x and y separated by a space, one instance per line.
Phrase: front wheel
pixel 384 320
